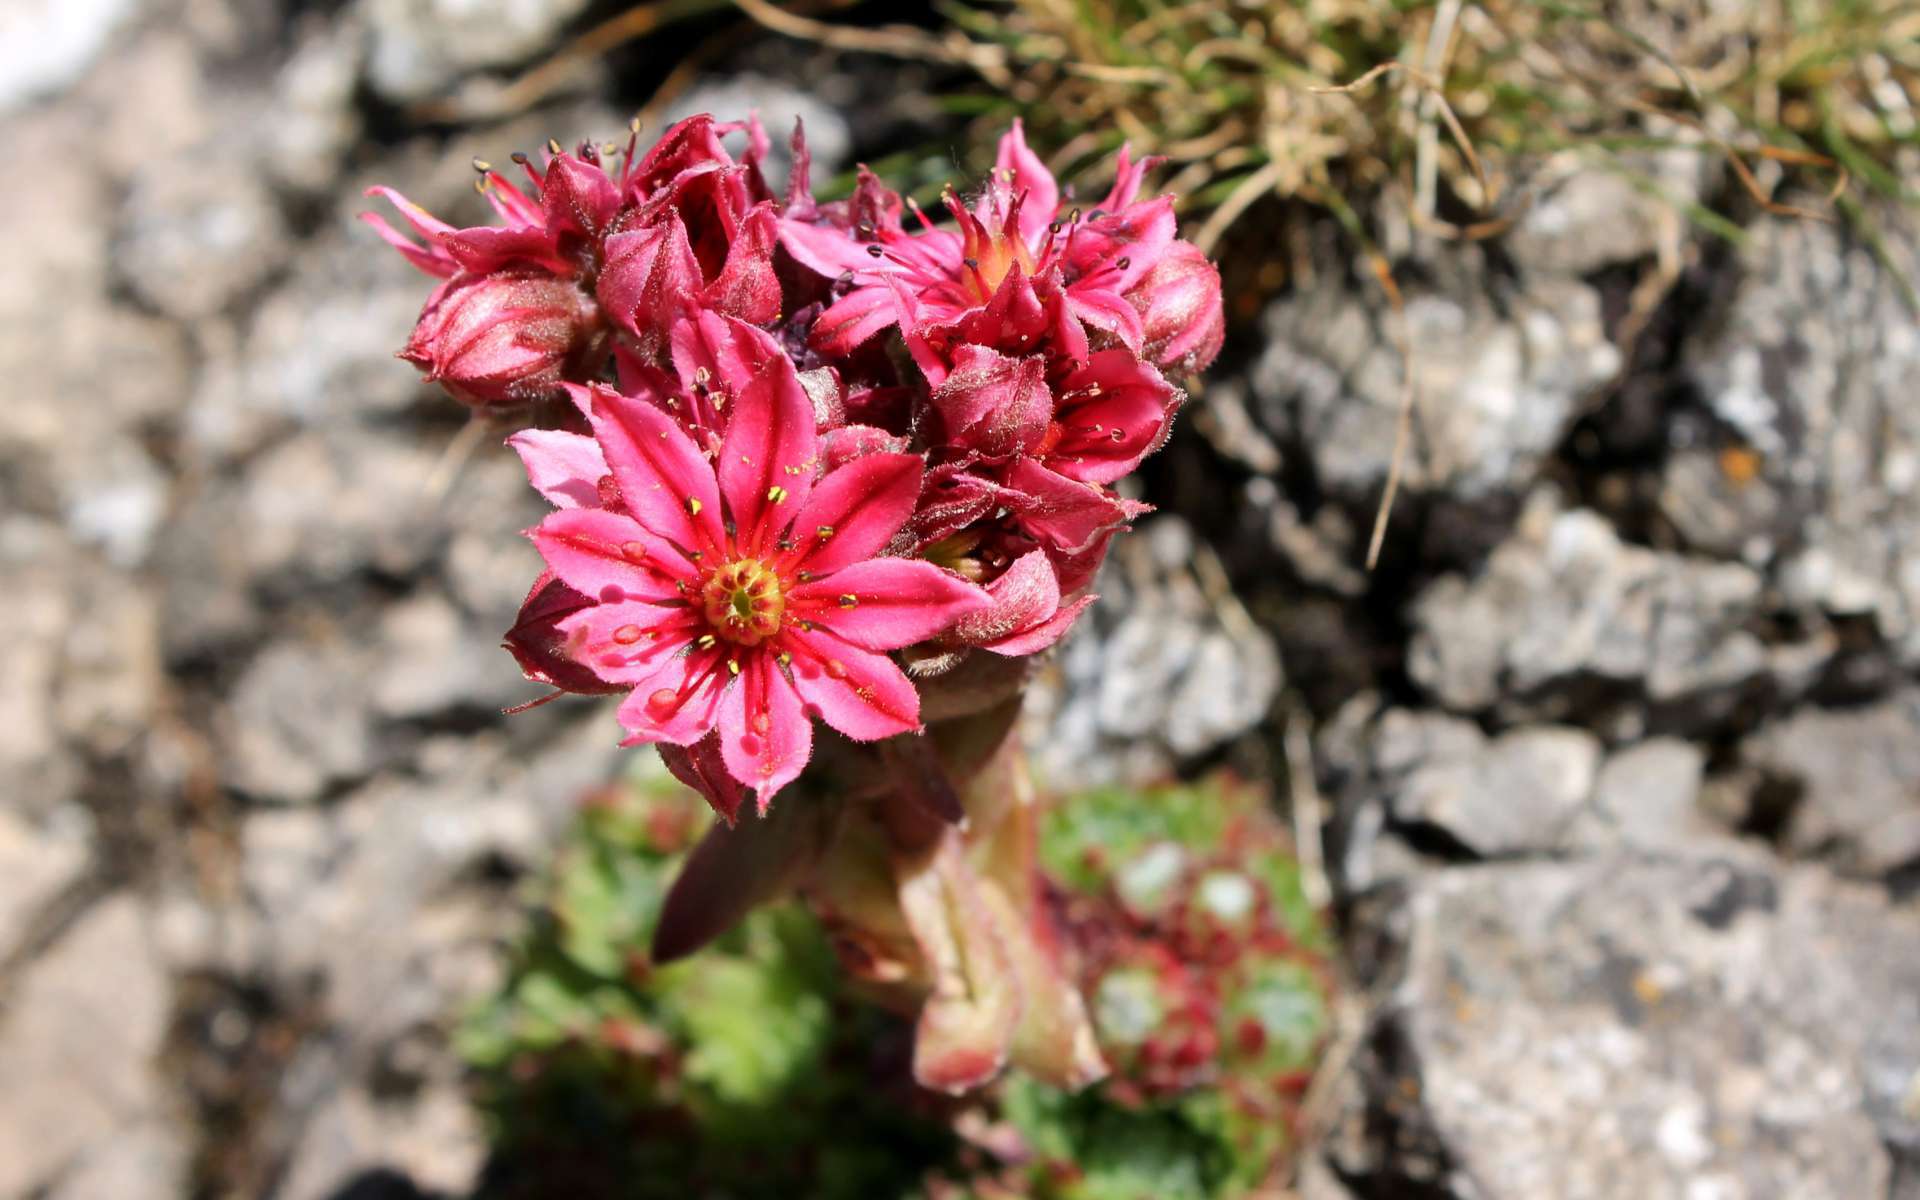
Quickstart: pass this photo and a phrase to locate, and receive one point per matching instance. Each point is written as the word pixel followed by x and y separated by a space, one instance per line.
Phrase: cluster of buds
pixel 813 465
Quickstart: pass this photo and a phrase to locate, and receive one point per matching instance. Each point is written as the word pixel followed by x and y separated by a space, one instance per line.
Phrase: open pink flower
pixel 737 599
pixel 1020 267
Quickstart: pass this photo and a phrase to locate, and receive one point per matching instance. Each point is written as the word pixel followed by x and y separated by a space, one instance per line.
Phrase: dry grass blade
pixel 1403 422
pixel 1431 88
pixel 897 41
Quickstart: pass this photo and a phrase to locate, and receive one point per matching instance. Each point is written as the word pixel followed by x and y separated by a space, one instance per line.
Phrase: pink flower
pixel 559 232
pixel 698 235
pixel 506 338
pixel 1019 270
pixel 540 647
pixel 1094 424
pixel 1182 320
pixel 734 600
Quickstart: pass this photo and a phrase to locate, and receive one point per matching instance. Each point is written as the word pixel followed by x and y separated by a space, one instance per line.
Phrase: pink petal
pixel 1046 633
pixel 841 446
pixel 1127 177
pixel 952 498
pixel 854 318
pixel 768 460
pixel 765 737
pixel 994 404
pixel 578 196
pixel 486 248
pixel 823 249
pixel 428 225
pixel 887 603
pixel 1069 516
pixel 701 768
pixel 1139 234
pixel 1116 410
pixel 432 259
pixel 855 511
pixel 607 555
pixel 1013 315
pixel 629 643
pixel 564 467
pixel 1031 177
pixel 688 144
pixel 539 645
pixel 665 482
pixel 650 277
pixel 1108 311
pixel 730 351
pixel 746 287
pixel 1026 594
pixel 508 200
pixel 799 178
pixel 679 703
pixel 862 694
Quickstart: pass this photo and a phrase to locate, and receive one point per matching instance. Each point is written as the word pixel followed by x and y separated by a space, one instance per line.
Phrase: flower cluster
pixel 797 436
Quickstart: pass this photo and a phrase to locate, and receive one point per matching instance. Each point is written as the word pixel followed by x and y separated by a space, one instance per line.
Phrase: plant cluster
pixel 740 1071
pixel 1454 105
pixel 829 463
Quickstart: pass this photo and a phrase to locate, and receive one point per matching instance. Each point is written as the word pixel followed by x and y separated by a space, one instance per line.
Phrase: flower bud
pixel 541 649
pixel 1180 310
pixel 499 340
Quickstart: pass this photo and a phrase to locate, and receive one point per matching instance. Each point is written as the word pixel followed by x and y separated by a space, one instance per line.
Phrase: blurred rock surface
pixel 1621 756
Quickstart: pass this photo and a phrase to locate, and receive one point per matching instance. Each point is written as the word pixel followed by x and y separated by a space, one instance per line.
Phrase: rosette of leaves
pixel 1203 965
pixel 732 1073
pixel 752 1070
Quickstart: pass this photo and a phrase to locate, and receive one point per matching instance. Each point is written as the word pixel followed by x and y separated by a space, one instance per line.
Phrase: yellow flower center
pixel 743 602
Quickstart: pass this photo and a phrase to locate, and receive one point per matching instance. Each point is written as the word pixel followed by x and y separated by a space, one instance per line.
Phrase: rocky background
pixel 1617 751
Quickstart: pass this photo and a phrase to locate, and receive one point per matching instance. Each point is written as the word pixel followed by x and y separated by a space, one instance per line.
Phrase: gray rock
pixel 142 1158
pixel 45 45
pixel 1496 392
pixel 37 865
pixel 82 671
pixel 1584 219
pixel 433 663
pixel 378 893
pixel 1165 666
pixel 300 721
pixel 1517 794
pixel 120 507
pixel 85 375
pixel 84 1025
pixel 110 688
pixel 419 47
pixel 1564 603
pixel 314 119
pixel 319 510
pixel 433 1137
pixel 1648 795
pixel 35 597
pixel 317 350
pixel 1854 779
pixel 1629 1026
pixel 392 897
pixel 197 232
pixel 1812 371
